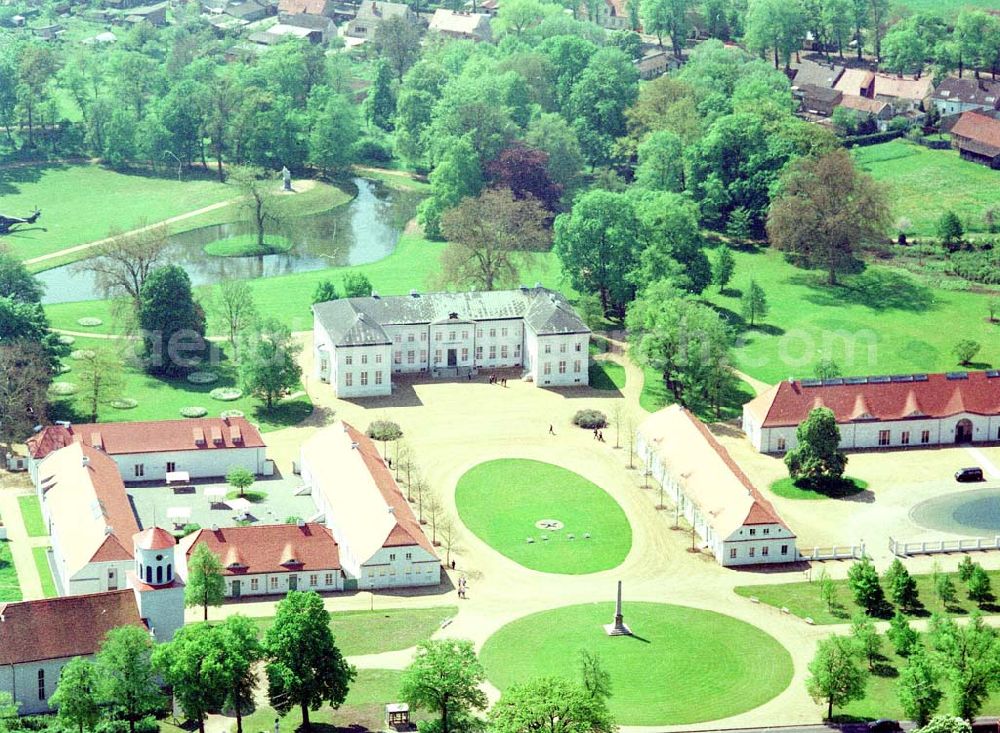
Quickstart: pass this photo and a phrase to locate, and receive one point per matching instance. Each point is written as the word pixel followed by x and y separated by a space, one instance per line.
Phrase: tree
pixel 524 171
pixel 827 591
pixel 269 368
pixel 778 25
pixel 384 431
pixel 206 585
pixel 258 199
pixel 596 243
pixel 979 586
pixel 16 282
pixel 186 665
pixel 550 133
pixel 950 229
pixel 672 245
pixel 435 511
pixel 869 641
pixel 380 105
pixel 627 41
pixel 904 639
pixel 723 267
pixel 969 659
pixel 456 176
pixel 944 588
pixel 234 306
pixel 444 677
pixel 862 579
pixel 753 303
pixel 100 379
pixel 122 262
pixel 965 569
pixel 240 478
pixel 450 538
pixel 237 663
pixel 902 586
pixel 661 162
pixel 76 695
pixel 25 375
pixel 817 456
pixel 335 129
pixel 918 690
pixel 606 88
pixel 550 704
pixel 947 724
pixel 126 682
pixel 305 668
pixel 490 238
pixel 8 711
pixel 173 323
pixel 993 307
pixel 826 369
pixel 325 290
pixel 835 677
pixel 904 51
pixel 518 16
pixel 356 285
pixel 397 40
pixel 826 209
pixel 965 351
pixel 666 17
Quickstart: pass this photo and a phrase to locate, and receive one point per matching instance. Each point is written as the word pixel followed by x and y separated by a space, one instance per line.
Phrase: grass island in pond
pixel 245 245
pixel 682 665
pixel 509 501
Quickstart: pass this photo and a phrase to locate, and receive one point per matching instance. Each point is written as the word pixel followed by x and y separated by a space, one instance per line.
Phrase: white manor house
pixel 361 342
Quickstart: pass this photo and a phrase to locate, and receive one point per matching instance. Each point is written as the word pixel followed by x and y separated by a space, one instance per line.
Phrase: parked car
pixel 969 474
pixel 884 725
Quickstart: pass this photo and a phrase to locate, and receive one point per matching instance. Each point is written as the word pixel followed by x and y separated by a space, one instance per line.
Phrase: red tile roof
pixel 294 7
pixel 115 506
pixel 150 437
pixel 981 130
pixel 60 628
pixel 407 530
pixel 790 402
pixel 269 548
pixel 154 538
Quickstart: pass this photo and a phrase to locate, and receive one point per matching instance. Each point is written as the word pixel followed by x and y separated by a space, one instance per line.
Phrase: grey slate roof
pixel 359 321
pixel 969 91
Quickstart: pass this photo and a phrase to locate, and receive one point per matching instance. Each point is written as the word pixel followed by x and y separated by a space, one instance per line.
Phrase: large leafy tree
pixel 173 323
pixel 122 262
pixel 305 667
pixel 490 237
pixel 268 368
pixel 335 129
pixel 836 676
pixel 779 25
pixel 606 88
pixel 444 677
pixel 75 697
pixel 16 282
pixel 661 162
pixel 550 705
pixel 825 210
pixel 380 105
pixel 397 41
pixel 524 170
pixel 817 455
pixel 25 375
pixel 672 243
pixel 127 683
pixel 597 243
pixel 456 176
pixel 549 132
pixel 187 664
pixel 666 18
pixel 970 658
pixel 206 585
pixel 237 652
pixel 862 578
pixel 918 687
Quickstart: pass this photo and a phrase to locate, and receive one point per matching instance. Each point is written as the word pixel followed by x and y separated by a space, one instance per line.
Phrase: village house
pixel 900 411
pixel 371 13
pixel 903 93
pixel 879 110
pixel 322 8
pixel 815 73
pixel 734 521
pixel 248 11
pixel 155 15
pixel 38 638
pixel 954 96
pixel 361 342
pixel 380 542
pixel 325 27
pixel 280 31
pixel 655 63
pixel 148 451
pixel 269 559
pixel 976 136
pixel 817 100
pixel 461 25
pixel 609 14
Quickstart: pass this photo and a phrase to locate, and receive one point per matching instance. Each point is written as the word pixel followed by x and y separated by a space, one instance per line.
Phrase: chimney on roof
pixel 392 510
pixel 215 528
pixel 354 446
pixel 85 461
pixel 374 295
pixel 301 523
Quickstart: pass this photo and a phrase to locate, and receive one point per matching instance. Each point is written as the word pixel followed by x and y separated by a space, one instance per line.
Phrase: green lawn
pixel 655 396
pixel 945 8
pixel 415 263
pixel 790 489
pixel 10 589
pixel 397 181
pixel 31 515
pixel 163 399
pixel 500 501
pixel 81 203
pixel 802 599
pixel 881 321
pixel 607 375
pixel 40 554
pixel 682 666
pixel 374 632
pixel 925 183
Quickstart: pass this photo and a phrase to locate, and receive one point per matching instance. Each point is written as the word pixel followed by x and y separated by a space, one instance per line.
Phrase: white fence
pixel 837 552
pixel 937 547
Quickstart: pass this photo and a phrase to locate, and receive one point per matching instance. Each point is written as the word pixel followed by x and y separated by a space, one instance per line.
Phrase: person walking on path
pixel 551 431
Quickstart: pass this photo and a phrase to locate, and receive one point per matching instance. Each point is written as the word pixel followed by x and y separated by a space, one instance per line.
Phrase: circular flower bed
pixel 124 403
pixel 89 321
pixel 63 388
pixel 82 354
pixel 202 377
pixel 225 394
pixel 194 411
pixel 66 340
pixel 232 413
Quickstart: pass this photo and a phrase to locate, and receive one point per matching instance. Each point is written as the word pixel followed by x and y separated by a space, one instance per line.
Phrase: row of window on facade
pixel 752 552
pixel 273 581
pixel 139 469
pixel 389 570
pixel 349 378
pixel 547 367
pixel 439 335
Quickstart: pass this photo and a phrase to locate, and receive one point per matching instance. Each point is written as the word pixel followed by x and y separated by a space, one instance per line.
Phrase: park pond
pixel 362 231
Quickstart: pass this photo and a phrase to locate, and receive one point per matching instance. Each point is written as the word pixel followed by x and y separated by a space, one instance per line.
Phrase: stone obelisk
pixel 618 628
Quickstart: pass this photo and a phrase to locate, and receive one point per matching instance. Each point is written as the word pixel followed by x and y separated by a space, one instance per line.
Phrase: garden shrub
pixel 63 388
pixel 194 411
pixel 981 267
pixel 232 413
pixel 225 394
pixel 590 419
pixel 124 403
pixel 202 377
pixel 82 354
pixel 89 322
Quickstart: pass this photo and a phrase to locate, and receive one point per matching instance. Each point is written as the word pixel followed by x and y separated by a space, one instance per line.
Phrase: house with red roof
pixel 148 451
pixel 899 411
pixel 735 522
pixel 976 136
pixel 270 559
pixel 381 543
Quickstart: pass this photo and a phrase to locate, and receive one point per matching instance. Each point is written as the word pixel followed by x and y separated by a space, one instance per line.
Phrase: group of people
pixel 502 381
pixel 461 587
pixel 599 435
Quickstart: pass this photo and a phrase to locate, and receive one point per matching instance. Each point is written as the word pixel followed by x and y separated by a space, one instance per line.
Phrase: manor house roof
pixel 268 548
